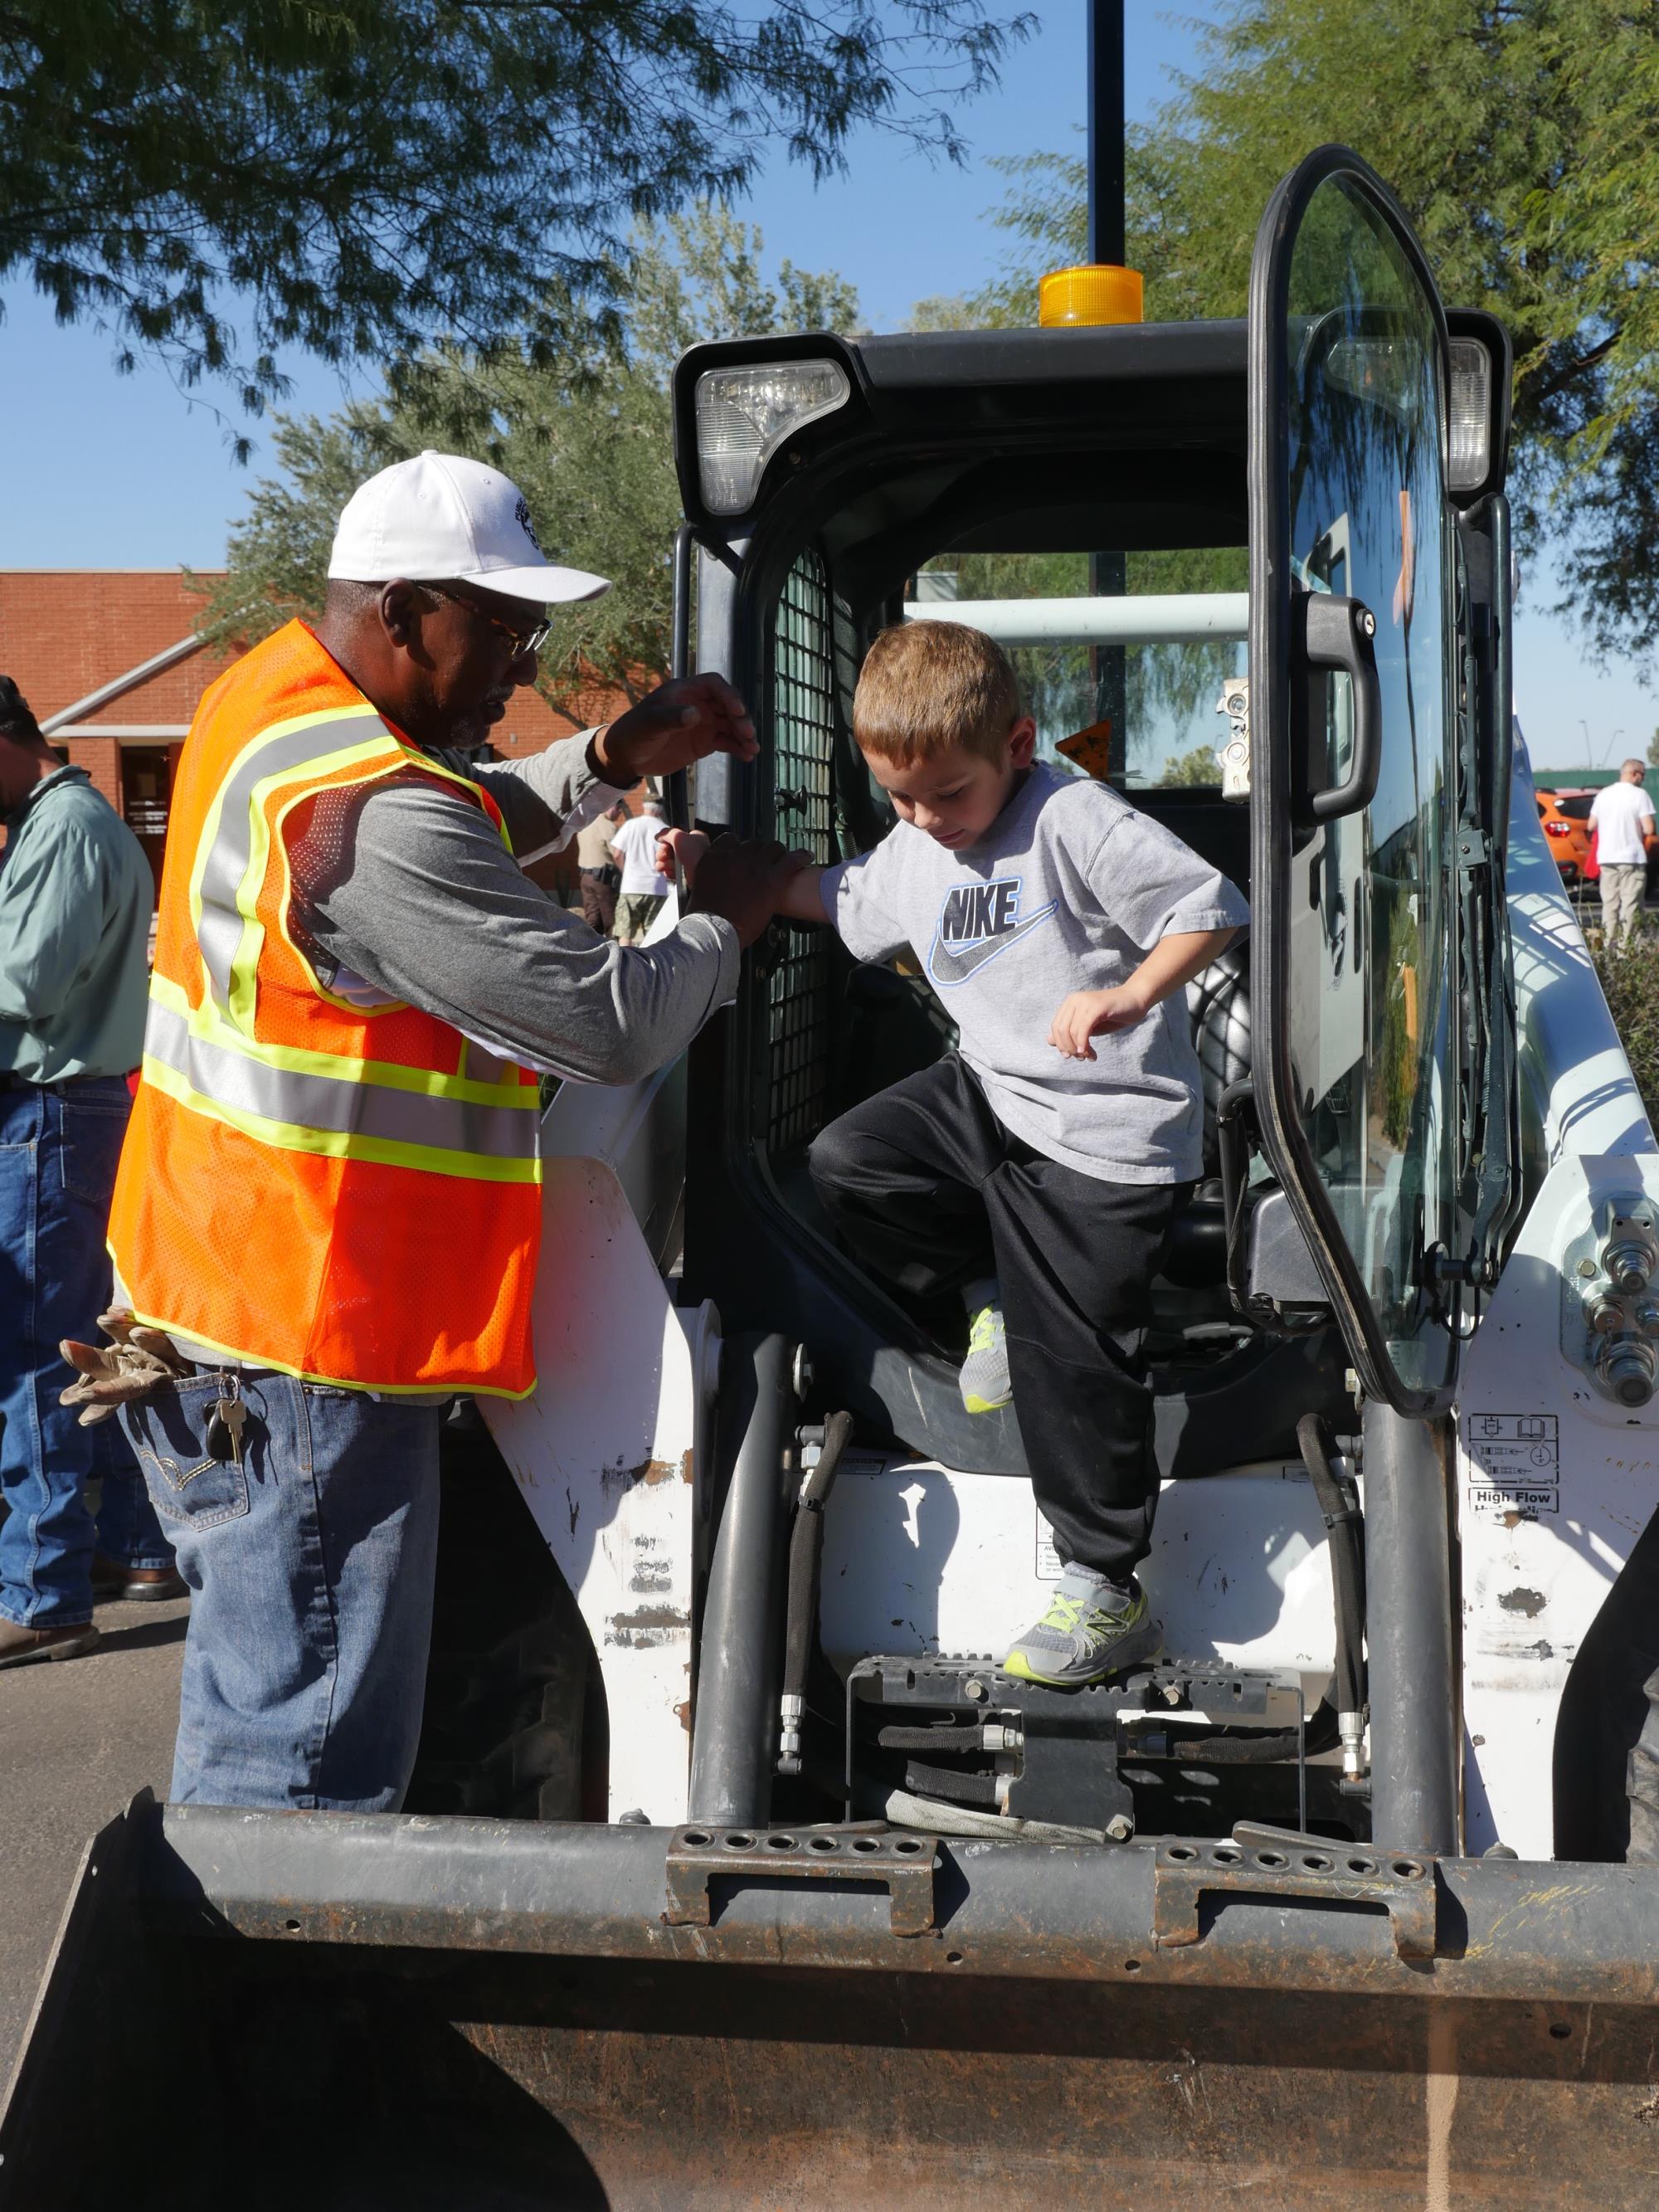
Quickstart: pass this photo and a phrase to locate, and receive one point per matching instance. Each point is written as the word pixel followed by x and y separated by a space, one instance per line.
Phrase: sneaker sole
pixel 1133 1652
pixel 986 1405
pixel 72 1649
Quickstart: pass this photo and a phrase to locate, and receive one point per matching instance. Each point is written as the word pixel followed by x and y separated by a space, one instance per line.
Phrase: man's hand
pixel 1088 1014
pixel 745 882
pixel 799 895
pixel 678 723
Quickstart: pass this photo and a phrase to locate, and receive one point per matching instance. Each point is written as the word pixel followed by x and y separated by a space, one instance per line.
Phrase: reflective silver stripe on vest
pixel 340 1105
pixel 220 933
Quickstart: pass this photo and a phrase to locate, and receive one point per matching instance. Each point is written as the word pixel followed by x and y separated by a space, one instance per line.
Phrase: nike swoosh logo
pixel 947 968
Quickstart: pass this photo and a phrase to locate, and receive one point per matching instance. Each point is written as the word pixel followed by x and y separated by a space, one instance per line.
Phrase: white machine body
pixel 1556 1479
pixel 920 1558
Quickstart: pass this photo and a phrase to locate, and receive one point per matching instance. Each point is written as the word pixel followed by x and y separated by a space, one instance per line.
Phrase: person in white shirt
pixel 1624 818
pixel 644 886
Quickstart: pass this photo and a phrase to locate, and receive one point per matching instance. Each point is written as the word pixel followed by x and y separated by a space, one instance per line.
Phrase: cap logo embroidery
pixel 521 512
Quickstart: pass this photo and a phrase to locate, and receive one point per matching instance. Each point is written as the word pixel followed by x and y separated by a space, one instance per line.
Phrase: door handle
pixel 1327 632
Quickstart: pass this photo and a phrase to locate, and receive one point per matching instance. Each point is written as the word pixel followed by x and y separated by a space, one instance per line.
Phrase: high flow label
pixel 1516 1464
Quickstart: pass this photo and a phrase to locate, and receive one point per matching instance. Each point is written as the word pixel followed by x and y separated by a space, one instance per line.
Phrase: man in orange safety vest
pixel 326 1216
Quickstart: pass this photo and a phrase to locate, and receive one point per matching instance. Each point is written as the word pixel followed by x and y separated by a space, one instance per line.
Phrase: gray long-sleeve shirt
pixel 408 892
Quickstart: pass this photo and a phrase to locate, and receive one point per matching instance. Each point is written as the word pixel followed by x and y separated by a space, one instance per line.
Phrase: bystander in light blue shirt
pixel 76 897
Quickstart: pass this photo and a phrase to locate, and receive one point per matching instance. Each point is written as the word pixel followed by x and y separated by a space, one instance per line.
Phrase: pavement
pixel 78 1738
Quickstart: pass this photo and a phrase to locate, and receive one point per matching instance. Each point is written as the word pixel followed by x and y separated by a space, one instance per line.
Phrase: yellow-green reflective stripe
pixel 462 783
pixel 292 1113
pixel 247 1359
pixel 206 1021
pixel 245 965
pixel 231 859
pixel 221 855
pixel 332 1144
pixel 463 1127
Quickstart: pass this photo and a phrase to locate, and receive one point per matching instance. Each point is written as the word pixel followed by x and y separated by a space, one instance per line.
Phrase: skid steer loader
pixel 1348 1899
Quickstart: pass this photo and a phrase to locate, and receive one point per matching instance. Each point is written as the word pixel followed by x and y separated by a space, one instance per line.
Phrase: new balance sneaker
pixel 1092 1629
pixel 985 1382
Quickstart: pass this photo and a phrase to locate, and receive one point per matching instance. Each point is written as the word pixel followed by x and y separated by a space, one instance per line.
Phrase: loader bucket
pixel 354 2012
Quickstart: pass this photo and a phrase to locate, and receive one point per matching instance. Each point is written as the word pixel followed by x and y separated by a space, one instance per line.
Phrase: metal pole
pixel 1106 570
pixel 1106 130
pixel 1408 1600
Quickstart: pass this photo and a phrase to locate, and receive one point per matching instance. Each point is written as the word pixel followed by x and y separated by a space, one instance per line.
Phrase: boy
pixel 1051 1150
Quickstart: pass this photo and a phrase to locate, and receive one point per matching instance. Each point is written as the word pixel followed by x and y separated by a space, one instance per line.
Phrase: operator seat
pixel 1218 1001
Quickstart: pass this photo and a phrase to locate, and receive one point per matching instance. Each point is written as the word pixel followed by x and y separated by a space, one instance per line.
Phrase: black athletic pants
pixel 931 1191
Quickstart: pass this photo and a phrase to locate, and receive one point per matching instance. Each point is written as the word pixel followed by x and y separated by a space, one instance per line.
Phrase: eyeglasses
pixel 522 641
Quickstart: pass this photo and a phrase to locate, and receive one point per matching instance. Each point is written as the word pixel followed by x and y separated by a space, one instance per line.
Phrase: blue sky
pixel 103 470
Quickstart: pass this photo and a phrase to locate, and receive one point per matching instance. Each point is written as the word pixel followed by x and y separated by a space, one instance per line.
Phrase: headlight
pixel 743 415
pixel 1385 374
pixel 1470 428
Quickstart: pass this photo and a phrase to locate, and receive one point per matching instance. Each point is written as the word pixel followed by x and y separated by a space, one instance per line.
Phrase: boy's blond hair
pixel 926 686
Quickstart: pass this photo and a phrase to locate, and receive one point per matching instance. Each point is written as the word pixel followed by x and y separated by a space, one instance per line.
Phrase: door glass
pixel 1372 959
pixel 1175 673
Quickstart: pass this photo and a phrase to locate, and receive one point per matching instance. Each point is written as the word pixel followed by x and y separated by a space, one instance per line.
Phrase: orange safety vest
pixel 349 1193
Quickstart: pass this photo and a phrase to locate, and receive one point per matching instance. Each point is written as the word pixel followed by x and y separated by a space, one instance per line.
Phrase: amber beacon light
pixel 1099 292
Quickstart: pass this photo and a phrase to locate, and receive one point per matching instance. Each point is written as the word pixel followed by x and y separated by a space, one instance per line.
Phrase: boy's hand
pixel 797 876
pixel 687 846
pixel 746 882
pixel 1087 1014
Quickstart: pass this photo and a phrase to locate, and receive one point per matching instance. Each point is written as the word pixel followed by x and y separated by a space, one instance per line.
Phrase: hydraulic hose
pixel 805 1558
pixel 1216 1749
pixel 1339 1504
pixel 731 1739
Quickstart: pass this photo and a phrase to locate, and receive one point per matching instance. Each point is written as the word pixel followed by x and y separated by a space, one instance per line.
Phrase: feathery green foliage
pixel 362 179
pixel 586 437
pixel 1629 975
pixel 1522 139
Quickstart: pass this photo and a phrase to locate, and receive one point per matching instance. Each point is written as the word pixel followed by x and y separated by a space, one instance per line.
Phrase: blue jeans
pixel 58 1148
pixel 311 1564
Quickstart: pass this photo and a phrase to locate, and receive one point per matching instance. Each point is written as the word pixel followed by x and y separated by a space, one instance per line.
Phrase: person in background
pixel 644 886
pixel 1624 819
pixel 600 875
pixel 75 893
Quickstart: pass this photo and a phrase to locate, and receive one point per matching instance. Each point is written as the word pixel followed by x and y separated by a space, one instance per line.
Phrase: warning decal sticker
pixel 1516 1464
pixel 1049 1564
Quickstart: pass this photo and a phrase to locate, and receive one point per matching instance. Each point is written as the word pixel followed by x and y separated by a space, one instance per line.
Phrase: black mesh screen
pixel 802 737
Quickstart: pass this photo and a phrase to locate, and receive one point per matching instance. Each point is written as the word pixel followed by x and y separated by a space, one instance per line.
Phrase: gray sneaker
pixel 1091 1630
pixel 985 1382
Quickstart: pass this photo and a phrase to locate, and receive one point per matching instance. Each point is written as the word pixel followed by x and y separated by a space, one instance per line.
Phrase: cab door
pixel 1363 1028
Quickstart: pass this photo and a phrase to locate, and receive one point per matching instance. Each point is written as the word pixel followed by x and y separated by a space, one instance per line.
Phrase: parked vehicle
pixel 1349 1898
pixel 1565 817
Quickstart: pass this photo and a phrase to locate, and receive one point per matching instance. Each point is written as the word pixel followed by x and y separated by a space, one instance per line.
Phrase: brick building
pixel 113 664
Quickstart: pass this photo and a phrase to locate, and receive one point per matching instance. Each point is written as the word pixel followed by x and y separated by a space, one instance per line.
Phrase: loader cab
pixel 1256 575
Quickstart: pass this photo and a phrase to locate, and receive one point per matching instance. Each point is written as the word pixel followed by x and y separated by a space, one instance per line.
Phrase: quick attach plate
pixel 1260 1861
pixel 903 1865
pixel 1065 1769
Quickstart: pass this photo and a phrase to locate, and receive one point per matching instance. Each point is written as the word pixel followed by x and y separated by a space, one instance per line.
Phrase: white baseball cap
pixel 440 518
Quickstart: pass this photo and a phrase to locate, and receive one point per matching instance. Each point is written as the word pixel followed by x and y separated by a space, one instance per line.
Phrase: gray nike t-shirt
pixel 1069 890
